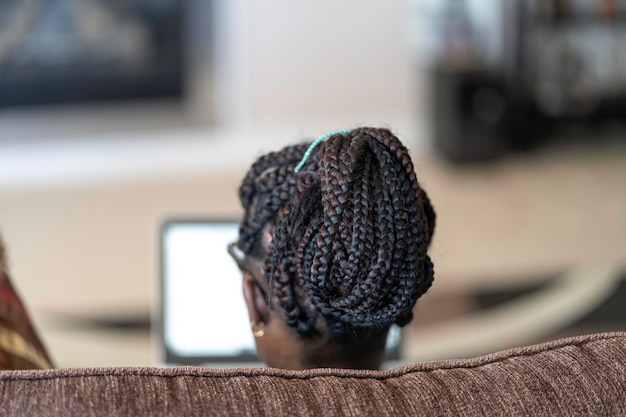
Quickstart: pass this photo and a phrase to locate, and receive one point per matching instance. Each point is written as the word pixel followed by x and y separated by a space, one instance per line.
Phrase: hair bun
pixel 350 231
pixel 370 264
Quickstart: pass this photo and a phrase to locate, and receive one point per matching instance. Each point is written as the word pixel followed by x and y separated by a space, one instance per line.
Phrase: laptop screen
pixel 204 317
pixel 203 314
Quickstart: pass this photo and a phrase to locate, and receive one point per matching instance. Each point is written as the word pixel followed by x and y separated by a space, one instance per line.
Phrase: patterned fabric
pixel 20 346
pixel 581 376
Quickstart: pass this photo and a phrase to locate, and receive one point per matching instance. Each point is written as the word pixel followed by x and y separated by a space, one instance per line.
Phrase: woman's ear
pixel 255 301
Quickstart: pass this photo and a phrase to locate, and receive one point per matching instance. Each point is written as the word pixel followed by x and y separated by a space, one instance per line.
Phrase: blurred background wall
pixel 242 64
pixel 117 115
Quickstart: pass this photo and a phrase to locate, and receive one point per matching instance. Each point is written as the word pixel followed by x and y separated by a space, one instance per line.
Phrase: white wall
pixel 315 62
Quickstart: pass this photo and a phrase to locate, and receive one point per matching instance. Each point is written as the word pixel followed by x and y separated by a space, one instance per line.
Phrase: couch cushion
pixel 570 377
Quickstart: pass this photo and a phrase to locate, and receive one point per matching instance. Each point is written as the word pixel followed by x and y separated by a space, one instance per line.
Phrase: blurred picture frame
pixel 61 51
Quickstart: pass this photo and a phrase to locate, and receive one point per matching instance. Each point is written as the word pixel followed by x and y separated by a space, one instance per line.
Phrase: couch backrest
pixel 581 376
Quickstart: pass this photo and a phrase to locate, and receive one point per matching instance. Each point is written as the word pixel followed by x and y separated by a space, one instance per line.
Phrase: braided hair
pixel 344 240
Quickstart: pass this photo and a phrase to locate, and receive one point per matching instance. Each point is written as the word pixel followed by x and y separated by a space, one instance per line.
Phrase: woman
pixel 333 249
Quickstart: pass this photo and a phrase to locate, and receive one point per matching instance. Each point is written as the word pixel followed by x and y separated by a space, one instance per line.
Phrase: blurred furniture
pixel 559 63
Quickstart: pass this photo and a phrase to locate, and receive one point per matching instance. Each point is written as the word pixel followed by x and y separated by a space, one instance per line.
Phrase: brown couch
pixel 580 376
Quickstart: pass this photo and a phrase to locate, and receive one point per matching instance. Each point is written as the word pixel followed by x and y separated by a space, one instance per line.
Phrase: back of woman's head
pixel 343 241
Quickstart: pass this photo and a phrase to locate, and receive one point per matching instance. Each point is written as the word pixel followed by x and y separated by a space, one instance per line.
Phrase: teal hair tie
pixel 316 142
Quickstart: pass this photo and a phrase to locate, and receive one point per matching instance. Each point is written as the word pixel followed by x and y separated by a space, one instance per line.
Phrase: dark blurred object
pixel 55 51
pixel 561 62
pixel 469 111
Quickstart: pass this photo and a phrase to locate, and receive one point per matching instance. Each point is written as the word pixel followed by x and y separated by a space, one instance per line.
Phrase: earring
pixel 258 328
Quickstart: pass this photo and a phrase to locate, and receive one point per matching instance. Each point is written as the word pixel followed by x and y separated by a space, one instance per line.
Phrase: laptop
pixel 202 313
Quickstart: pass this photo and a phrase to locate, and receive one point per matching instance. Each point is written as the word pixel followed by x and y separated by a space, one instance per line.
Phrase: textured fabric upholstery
pixel 581 376
pixel 20 345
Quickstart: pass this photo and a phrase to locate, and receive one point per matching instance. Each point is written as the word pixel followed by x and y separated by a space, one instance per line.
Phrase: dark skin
pixel 281 347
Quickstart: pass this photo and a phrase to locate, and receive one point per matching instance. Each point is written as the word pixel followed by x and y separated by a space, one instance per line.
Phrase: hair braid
pixel 349 232
pixel 260 188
